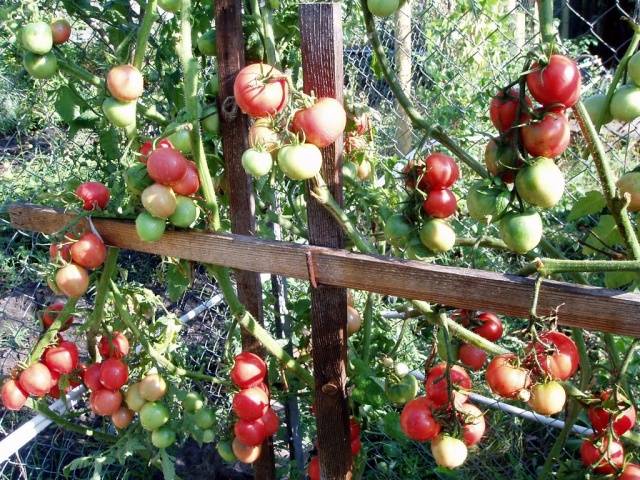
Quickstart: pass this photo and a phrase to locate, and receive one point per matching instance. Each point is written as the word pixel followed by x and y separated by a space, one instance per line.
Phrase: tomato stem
pixel 550 266
pixel 367 328
pixel 49 336
pixel 43 409
pixel 144 32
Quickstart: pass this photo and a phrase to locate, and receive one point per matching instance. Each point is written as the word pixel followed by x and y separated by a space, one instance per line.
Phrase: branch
pixel 49 336
pixel 144 32
pixel 43 409
pixel 550 266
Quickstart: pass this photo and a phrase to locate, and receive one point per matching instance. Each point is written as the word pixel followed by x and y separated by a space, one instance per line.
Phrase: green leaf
pixel 168 466
pixel 605 233
pixel 592 202
pixel 67 104
pixel 618 279
pixel 109 143
pixel 178 279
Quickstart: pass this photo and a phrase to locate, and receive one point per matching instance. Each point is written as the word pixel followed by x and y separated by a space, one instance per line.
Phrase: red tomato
pixel 248 370
pixel 147 147
pixel 91 377
pixel 354 428
pixel 600 417
pixel 114 373
pixel 594 448
pixel 251 433
pixel 505 378
pixel 356 445
pixel 322 123
pixel 61 31
pixel 472 356
pixel 250 404
pixel 166 165
pixel 504 107
pixel 125 83
pixel 50 314
pixel 440 171
pixel 271 422
pixel 63 358
pixel 630 472
pixel 105 402
pixel 417 422
pixel 473 423
pixel 72 280
pixel 491 326
pixel 190 181
pixel 89 251
pixel 313 470
pixel 557 83
pixel 13 396
pixel 260 90
pixel 440 204
pixel 122 418
pixel 93 195
pixel 557 355
pixel 61 249
pixel 436 383
pixel 36 379
pixel 113 346
pixel 548 137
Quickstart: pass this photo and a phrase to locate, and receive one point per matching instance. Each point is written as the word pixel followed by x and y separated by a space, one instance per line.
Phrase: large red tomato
pixel 105 402
pixel 166 165
pixel 115 345
pixel 114 373
pixel 439 171
pixel 556 83
pixel 436 384
pixel 190 181
pixel 147 147
pixel 13 396
pixel 313 470
pixel 251 404
pixel 249 432
pixel 593 449
pixel 89 251
pixel 624 420
pixel 271 422
pixel 93 195
pixel 91 377
pixel 322 123
pixel 440 203
pixel 506 378
pixel 557 355
pixel 62 358
pixel 248 370
pixel 504 107
pixel 36 379
pixel 473 424
pixel 491 326
pixel 417 422
pixel 260 90
pixel 548 137
pixel 472 356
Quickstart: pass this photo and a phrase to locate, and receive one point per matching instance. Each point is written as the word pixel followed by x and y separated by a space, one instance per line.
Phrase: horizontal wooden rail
pixel 577 305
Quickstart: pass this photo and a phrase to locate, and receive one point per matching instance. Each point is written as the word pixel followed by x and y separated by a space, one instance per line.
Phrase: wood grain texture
pixel 321 45
pixel 581 306
pixel 234 130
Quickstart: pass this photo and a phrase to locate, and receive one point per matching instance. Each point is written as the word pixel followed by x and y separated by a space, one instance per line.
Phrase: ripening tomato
pixel 260 90
pixel 62 358
pixel 152 387
pixel 557 355
pixel 440 203
pixel 113 345
pixel 547 398
pixel 300 162
pixel 502 160
pixel 356 446
pixel 91 377
pixel 133 398
pixel 603 456
pixel 41 67
pixel 354 320
pixel 625 415
pixel 153 415
pixel 448 452
pixel 630 472
pixel 72 280
pixel 62 250
pixel 521 232
pixel 250 433
pixel 472 356
pixel 120 114
pixel 354 428
pixel 89 251
pixel 159 200
pixel 417 422
pixel 60 30
pixel 556 83
pixel 263 136
pixel 548 137
pixel 122 417
pixel 271 422
pixel 504 108
pixel 440 171
pixel 322 123
pixel 491 326
pixel 397 229
pixel 505 377
pixel 189 183
pixel 246 453
pixel 473 423
pixel 149 228
pixel 114 373
pixel 93 195
pixel 435 384
pixel 13 396
pixel 250 404
pixel 147 147
pixel 437 235
pixel 50 314
pixel 540 183
pixel 166 165
pixel 105 402
pixel 249 370
pixel 35 379
pixel 125 83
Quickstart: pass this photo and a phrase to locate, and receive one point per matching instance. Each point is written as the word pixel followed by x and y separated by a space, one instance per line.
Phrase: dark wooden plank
pixel 233 130
pixel 592 308
pixel 321 45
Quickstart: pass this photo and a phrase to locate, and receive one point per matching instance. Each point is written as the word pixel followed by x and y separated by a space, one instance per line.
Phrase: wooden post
pixel 321 34
pixel 233 130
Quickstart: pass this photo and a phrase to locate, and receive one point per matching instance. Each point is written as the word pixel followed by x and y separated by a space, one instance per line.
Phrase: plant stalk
pixel 144 32
pixel 95 320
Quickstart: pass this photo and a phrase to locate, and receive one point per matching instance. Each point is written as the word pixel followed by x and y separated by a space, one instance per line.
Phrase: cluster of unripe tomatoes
pixel 37 39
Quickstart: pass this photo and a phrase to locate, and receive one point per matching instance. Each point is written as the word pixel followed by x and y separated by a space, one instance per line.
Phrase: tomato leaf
pixel 178 279
pixel 592 202
pixel 618 279
pixel 67 104
pixel 168 466
pixel 109 143
pixel 603 235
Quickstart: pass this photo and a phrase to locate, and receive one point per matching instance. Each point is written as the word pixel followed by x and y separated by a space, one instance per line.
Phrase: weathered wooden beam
pixel 592 308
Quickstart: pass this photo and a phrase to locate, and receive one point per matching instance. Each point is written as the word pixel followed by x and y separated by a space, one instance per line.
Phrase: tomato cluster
pixel 486 324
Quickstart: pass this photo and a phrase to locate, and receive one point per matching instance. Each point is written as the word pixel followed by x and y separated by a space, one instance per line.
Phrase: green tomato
pixel 416 250
pixel 149 228
pixel 211 120
pixel 486 201
pixel 226 451
pixel 186 212
pixel 163 437
pixel 598 109
pixel 633 68
pixel 213 85
pixel 625 104
pixel 437 235
pixel 540 183
pixel 120 114
pixel 401 392
pixel 300 162
pixel 630 183
pixel 207 43
pixel 37 38
pixel 137 179
pixel 180 139
pixel 153 415
pixel 204 418
pixel 172 6
pixel 192 402
pixel 521 232
pixel 256 163
pixel 208 436
pixel 383 8
pixel 397 229
pixel 40 66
